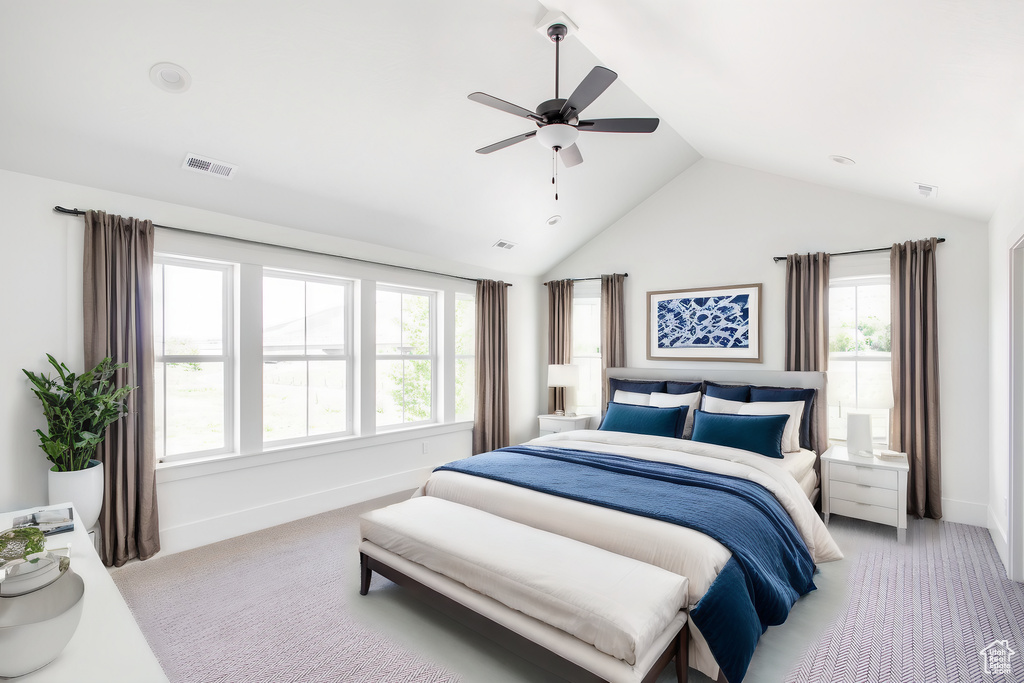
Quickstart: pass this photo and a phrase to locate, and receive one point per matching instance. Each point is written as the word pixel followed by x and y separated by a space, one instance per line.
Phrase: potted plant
pixel 78 410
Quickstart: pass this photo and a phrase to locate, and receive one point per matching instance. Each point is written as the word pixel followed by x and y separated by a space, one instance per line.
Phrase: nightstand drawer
pixel 871 513
pixel 866 475
pixel 552 424
pixel 860 493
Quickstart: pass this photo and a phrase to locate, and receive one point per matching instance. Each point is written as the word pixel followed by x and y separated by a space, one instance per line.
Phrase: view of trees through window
pixel 405 362
pixel 465 357
pixel 860 358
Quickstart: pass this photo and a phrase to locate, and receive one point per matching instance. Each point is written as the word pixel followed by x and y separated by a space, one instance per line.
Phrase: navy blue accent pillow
pixel 624 417
pixel 636 385
pixel 805 395
pixel 758 433
pixel 682 387
pixel 730 392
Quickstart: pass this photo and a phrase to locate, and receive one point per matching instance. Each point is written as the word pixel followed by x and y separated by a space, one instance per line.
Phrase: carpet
pixel 267 607
pixel 924 612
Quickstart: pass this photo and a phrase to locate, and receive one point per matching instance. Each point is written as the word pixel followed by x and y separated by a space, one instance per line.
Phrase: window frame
pixel 347 357
pixel 471 298
pixel 856 356
pixel 587 290
pixel 433 356
pixel 228 356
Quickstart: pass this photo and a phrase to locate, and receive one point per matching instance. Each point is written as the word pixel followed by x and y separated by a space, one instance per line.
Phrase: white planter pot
pixel 82 488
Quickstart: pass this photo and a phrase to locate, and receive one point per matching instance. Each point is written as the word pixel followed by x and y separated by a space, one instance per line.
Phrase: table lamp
pixel 565 377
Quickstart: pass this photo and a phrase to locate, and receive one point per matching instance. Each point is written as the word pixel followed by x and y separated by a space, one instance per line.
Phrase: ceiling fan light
pixel 559 135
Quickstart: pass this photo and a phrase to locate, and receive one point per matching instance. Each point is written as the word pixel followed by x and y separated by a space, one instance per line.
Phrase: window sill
pixel 228 462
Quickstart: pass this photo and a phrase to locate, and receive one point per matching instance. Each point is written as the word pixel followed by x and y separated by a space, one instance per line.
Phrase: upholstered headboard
pixel 765 378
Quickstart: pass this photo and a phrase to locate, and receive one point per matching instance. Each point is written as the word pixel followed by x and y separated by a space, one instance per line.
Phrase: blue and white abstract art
pixel 705 324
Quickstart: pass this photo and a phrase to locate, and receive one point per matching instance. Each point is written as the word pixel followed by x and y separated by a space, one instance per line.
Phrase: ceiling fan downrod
pixel 557 33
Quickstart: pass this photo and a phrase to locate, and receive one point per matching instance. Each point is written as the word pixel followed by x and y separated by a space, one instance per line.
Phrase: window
pixel 194 359
pixel 405 356
pixel 465 356
pixel 306 356
pixel 586 345
pixel 860 358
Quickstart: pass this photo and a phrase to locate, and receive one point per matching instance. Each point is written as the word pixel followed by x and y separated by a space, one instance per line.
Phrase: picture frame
pixel 705 324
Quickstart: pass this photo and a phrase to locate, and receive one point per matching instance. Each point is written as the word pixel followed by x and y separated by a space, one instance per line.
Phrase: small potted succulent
pixel 78 410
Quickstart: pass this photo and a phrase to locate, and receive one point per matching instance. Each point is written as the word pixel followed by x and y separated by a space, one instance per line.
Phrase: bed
pixel 702 556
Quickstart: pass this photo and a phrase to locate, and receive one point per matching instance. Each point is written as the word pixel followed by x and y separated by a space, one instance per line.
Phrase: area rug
pixel 938 609
pixel 267 607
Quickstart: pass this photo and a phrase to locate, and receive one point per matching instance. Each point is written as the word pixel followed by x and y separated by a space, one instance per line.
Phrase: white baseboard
pixel 214 529
pixel 1000 538
pixel 963 512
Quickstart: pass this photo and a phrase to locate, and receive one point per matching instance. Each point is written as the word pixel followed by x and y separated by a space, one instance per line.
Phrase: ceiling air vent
pixel 503 244
pixel 927 190
pixel 208 166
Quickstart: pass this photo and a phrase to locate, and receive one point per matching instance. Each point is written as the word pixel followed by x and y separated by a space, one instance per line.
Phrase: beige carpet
pixel 268 606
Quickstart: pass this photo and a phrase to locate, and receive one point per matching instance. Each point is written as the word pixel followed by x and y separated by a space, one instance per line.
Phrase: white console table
pixel 108 646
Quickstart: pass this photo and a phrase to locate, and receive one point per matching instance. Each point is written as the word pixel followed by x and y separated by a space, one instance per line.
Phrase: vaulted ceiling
pixel 352 118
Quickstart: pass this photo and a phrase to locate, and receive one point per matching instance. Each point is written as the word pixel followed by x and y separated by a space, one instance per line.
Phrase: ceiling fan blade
pixel 619 125
pixel 506 143
pixel 596 82
pixel 491 101
pixel 570 155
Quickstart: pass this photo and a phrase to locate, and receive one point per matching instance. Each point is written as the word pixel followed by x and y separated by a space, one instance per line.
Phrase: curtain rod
pixel 584 279
pixel 77 212
pixel 859 251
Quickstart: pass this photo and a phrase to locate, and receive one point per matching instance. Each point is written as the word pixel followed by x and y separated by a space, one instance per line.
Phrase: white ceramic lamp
pixel 858 434
pixel 568 377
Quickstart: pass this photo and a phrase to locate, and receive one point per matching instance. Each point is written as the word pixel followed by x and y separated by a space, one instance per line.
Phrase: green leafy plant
pixel 78 410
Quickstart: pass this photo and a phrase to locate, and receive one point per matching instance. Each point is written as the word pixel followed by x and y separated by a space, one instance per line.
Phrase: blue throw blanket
pixel 770 567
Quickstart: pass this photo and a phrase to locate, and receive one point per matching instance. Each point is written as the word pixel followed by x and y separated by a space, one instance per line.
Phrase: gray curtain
pixel 491 429
pixel 915 372
pixel 807 326
pixel 559 330
pixel 118 306
pixel 613 328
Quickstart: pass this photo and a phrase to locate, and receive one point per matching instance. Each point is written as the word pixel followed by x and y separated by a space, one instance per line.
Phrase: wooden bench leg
pixel 683 653
pixel 365 574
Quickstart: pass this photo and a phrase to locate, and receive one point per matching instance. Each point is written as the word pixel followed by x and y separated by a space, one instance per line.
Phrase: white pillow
pixel 795 410
pixel 635 398
pixel 674 400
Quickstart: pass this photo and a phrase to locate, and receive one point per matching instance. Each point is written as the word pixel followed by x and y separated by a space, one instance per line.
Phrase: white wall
pixel 41 285
pixel 718 224
pixel 1005 230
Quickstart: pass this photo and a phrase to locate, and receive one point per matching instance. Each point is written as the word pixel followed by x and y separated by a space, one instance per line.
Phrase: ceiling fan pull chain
pixel 554 169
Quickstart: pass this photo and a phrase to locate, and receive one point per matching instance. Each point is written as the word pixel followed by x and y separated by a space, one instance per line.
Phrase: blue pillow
pixel 805 395
pixel 758 433
pixel 730 392
pixel 636 385
pixel 624 417
pixel 682 387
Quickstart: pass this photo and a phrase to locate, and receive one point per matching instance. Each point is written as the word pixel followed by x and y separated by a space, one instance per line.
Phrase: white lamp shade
pixel 858 433
pixel 559 135
pixel 563 376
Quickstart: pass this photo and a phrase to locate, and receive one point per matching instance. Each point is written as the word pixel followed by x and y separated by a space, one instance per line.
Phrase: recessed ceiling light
pixel 845 161
pixel 170 77
pixel 554 220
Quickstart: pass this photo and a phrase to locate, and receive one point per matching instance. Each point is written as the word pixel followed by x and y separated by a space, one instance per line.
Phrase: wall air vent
pixel 207 166
pixel 503 244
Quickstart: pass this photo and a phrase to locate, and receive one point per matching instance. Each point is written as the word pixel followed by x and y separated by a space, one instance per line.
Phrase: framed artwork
pixel 717 323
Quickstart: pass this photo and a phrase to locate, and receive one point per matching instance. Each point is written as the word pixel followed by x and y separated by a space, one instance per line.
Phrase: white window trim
pixel 227 357
pixel 248 260
pixel 433 356
pixel 346 357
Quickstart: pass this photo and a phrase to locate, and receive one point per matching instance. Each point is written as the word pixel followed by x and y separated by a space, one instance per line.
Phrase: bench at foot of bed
pixel 581 612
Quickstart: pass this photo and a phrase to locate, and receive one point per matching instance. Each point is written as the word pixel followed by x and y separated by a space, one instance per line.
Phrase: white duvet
pixel 677 549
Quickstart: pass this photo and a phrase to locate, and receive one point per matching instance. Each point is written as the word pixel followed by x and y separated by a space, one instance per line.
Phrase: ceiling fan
pixel 558 122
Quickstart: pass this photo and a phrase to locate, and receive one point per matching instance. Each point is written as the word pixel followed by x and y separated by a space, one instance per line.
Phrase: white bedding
pixel 677 549
pixel 800 464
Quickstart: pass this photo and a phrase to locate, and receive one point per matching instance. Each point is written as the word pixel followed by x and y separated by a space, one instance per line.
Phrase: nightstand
pixel 868 488
pixel 550 424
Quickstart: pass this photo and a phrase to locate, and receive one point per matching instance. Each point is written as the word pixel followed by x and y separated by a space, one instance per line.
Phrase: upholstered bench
pixel 582 612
